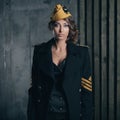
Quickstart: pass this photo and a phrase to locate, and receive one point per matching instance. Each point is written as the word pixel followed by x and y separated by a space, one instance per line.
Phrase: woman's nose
pixel 61 28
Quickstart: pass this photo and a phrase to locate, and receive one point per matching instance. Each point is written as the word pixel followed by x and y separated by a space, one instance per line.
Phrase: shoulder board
pixel 83 45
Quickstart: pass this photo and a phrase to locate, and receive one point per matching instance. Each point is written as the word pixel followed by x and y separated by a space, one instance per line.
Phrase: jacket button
pixel 80 115
pixel 38 100
pixel 51 109
pixel 40 87
pixel 80 90
pixel 61 108
pixel 61 98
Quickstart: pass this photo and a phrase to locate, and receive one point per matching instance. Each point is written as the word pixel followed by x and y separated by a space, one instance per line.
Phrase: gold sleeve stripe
pixel 87 88
pixel 87 81
pixel 90 78
pixel 86 84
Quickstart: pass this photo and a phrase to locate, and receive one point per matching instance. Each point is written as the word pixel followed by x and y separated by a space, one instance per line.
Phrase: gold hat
pixel 60 12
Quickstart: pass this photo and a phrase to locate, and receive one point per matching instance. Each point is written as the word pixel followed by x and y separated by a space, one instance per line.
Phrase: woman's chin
pixel 61 38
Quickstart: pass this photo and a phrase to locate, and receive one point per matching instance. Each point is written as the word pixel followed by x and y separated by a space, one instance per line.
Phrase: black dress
pixel 57 107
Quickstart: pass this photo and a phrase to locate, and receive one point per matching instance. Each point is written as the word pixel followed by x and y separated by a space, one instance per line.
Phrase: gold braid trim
pixel 87 83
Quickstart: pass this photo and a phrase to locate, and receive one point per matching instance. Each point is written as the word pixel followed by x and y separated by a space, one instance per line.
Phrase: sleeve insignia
pixel 87 83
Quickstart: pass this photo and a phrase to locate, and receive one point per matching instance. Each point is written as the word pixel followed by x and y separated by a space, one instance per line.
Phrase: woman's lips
pixel 60 34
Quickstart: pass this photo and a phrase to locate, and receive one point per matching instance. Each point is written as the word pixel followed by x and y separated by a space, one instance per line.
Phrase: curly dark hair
pixel 73 33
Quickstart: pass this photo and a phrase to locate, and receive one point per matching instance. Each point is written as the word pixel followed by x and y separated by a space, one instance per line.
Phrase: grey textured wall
pixel 23 23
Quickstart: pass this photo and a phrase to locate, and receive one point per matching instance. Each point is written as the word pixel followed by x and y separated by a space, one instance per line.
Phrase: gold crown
pixel 60 12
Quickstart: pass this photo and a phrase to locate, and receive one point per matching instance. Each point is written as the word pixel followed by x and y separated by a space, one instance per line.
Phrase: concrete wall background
pixel 23 23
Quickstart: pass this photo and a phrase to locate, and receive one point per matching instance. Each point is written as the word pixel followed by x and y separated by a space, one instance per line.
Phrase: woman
pixel 61 76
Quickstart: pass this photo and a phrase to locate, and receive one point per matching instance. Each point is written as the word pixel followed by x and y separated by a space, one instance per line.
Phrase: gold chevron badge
pixel 87 83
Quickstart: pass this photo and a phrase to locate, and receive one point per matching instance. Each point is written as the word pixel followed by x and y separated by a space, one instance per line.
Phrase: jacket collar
pixel 46 56
pixel 71 47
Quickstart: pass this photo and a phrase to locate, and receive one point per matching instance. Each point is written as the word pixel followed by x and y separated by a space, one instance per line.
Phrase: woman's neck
pixel 60 45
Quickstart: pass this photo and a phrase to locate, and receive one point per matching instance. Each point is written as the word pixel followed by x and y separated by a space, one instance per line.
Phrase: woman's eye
pixel 55 25
pixel 66 25
pixel 58 25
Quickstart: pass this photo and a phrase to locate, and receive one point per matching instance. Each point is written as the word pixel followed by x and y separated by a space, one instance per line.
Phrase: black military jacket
pixel 77 83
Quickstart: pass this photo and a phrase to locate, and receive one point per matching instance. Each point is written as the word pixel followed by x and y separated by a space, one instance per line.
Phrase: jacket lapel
pixel 73 64
pixel 45 59
pixel 71 82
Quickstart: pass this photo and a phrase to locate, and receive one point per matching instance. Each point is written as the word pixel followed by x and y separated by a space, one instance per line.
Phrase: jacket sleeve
pixel 31 103
pixel 30 108
pixel 35 65
pixel 86 84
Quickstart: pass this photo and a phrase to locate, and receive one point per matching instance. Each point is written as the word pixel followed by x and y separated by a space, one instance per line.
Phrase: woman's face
pixel 61 30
